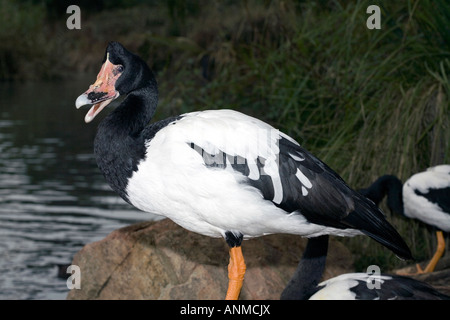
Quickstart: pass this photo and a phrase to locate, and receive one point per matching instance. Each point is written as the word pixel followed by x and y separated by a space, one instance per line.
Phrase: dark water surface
pixel 53 198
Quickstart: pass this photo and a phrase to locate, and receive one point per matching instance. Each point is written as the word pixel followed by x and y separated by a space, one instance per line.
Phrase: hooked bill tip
pixel 82 100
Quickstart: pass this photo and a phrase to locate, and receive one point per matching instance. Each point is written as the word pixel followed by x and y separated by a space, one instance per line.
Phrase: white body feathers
pixel 173 180
pixel 419 207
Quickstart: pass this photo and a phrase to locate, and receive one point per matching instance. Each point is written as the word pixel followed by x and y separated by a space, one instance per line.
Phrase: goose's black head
pixel 121 73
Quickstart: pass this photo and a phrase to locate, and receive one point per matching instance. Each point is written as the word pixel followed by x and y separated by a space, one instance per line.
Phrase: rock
pixel 160 260
pixel 439 279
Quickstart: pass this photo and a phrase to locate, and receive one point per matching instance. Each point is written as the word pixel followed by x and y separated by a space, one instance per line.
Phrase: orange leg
pixel 437 255
pixel 236 271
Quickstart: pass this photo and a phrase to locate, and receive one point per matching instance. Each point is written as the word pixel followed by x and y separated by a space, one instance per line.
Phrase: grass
pixel 367 102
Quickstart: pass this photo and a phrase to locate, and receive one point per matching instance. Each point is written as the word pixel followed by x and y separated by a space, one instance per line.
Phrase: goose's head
pixel 121 73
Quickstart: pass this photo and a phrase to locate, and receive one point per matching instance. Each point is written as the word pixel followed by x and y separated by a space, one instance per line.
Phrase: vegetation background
pixel 367 102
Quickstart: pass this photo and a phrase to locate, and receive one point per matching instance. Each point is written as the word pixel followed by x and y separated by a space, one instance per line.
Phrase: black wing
pixel 333 203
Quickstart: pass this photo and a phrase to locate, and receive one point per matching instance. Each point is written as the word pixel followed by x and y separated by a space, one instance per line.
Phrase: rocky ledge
pixel 160 260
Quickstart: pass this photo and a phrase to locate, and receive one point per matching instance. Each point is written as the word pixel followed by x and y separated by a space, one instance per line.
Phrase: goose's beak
pixel 102 92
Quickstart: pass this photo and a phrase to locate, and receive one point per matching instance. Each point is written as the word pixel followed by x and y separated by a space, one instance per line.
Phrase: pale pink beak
pixel 102 92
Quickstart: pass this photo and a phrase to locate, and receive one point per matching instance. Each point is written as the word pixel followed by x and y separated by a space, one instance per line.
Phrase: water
pixel 53 199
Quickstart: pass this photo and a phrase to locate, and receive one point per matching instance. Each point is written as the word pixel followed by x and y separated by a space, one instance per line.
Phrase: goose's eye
pixel 118 69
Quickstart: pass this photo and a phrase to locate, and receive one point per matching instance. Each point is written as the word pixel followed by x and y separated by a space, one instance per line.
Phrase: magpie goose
pixel 219 173
pixel 350 286
pixel 425 196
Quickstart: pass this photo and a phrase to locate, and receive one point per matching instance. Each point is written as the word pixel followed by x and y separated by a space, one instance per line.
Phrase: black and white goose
pixel 425 196
pixel 305 284
pixel 219 173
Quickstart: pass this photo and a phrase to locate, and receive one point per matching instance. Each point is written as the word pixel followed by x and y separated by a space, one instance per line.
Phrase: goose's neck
pixel 119 145
pixel 309 271
pixel 390 186
pixel 133 114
